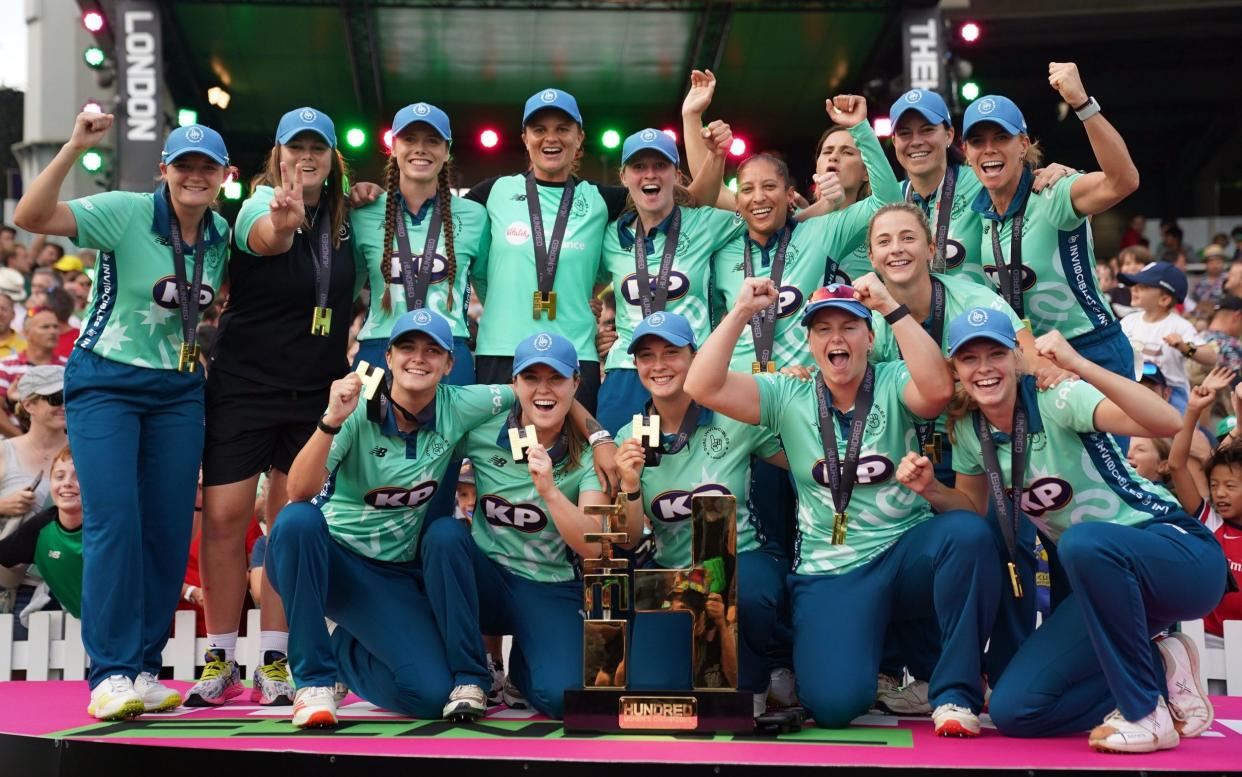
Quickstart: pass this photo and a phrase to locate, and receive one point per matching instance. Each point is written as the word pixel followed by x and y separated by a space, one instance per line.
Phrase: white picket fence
pixel 53 650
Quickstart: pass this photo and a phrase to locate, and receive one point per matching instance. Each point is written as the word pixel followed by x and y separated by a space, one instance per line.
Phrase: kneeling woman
pixel 879 556
pixel 1135 561
pixel 345 548
pixel 702 453
pixel 528 526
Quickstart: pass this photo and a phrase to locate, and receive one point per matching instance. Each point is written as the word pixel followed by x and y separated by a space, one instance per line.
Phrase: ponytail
pixel 392 182
pixel 445 195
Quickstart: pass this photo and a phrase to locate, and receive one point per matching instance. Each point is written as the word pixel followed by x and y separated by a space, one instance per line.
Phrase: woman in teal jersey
pixel 868 552
pixel 134 395
pixel 294 272
pixel 346 548
pixel 657 257
pixel 1135 561
pixel 546 228
pixel 1038 250
pixel 701 453
pixel 518 575
pixel 422 244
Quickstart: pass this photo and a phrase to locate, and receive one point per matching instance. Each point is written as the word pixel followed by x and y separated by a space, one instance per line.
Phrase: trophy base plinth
pixel 659 712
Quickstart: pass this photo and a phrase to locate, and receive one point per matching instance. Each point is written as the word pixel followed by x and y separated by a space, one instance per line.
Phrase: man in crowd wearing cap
pixel 1224 331
pixel 1210 288
pixel 1156 329
pixel 42 332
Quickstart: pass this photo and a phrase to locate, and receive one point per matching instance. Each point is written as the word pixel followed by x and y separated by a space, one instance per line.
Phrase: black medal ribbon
pixel 926 430
pixel 689 422
pixel 944 213
pixel 1008 510
pixel 763 323
pixel 417 281
pixel 323 260
pixel 843 475
pixel 547 252
pixel 187 291
pixel 653 300
pixel 1010 273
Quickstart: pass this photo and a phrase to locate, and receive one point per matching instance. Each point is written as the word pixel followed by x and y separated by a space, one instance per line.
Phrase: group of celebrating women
pixel 901 383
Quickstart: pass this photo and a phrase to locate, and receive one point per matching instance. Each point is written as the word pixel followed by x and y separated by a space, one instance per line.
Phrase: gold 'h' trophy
pixel 706 592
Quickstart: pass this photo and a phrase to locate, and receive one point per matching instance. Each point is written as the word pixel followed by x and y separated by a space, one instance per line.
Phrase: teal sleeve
pixel 585 475
pixel 1071 405
pixel 1061 206
pixel 103 218
pixel 716 297
pixel 775 393
pixel 254 208
pixel 721 226
pixel 471 406
pixel 343 440
pixel 482 250
pixel 893 376
pixel 765 444
pixel 885 187
pixel 884 349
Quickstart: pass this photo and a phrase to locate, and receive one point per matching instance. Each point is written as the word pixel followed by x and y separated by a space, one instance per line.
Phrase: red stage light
pixel 93 21
pixel 672 133
pixel 387 138
pixel 970 32
pixel 737 147
pixel 489 138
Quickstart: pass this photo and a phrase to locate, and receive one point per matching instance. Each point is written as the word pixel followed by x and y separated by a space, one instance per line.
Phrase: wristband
pixel 633 496
pixel 900 312
pixel 1190 349
pixel 599 437
pixel 325 428
pixel 1087 109
pixel 189 593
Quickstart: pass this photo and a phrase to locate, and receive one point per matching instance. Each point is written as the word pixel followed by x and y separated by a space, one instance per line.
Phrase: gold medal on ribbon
pixel 544 303
pixel 758 367
pixel 189 358
pixel 931 448
pixel 1014 581
pixel 839 521
pixel 321 321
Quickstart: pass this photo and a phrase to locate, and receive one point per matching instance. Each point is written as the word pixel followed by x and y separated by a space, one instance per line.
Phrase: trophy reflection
pixel 703 596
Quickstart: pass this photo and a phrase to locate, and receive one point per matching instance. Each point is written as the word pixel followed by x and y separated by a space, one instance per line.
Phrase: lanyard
pixel 763 323
pixel 1008 511
pixel 187 292
pixel 944 213
pixel 547 253
pixel 416 282
pixel 926 431
pixel 653 300
pixel 689 422
pixel 321 320
pixel 1010 273
pixel 843 475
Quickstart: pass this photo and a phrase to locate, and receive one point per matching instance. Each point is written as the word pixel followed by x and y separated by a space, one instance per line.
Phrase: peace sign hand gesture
pixel 287 210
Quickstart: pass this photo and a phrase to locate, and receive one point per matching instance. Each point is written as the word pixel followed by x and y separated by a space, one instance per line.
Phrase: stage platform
pixel 44 730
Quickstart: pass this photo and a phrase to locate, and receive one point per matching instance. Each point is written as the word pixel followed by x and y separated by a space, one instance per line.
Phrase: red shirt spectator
pixel 1229 536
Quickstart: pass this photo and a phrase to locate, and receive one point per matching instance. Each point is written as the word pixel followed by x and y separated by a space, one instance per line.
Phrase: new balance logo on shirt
pixel 380 452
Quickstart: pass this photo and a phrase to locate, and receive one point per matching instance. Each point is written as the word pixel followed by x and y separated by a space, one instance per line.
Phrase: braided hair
pixel 444 197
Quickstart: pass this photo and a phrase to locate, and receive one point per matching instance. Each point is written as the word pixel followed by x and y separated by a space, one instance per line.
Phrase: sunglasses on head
pixel 55 400
pixel 832 291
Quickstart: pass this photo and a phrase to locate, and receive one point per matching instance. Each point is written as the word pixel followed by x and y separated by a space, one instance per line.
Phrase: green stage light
pixel 611 138
pixel 732 184
pixel 355 137
pixel 233 190
pixel 92 161
pixel 970 90
pixel 94 57
pixel 186 117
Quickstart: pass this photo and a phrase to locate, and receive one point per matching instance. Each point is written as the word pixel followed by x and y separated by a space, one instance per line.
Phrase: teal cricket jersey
pixel 470 246
pixel 381 480
pixel 509 270
pixel 1058 258
pixel 851 255
pixel 512 524
pixel 880 509
pixel 1073 473
pixel 703 232
pixel 133 316
pixel 960 295
pixel 716 460
pixel 963 250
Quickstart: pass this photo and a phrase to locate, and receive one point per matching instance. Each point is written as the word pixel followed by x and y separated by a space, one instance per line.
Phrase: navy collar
pixel 417 216
pixel 162 219
pixel 983 200
pixel 625 227
pixel 926 203
pixel 1028 395
pixel 425 418
pixel 774 240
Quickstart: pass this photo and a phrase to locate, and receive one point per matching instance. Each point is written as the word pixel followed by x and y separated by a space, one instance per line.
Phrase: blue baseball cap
pixel 926 102
pixel 195 139
pixel 427 322
pixel 1152 373
pixel 996 109
pixel 979 323
pixel 650 139
pixel 1161 275
pixel 834 295
pixel 546 348
pixel 672 328
pixel 306 119
pixel 551 98
pixel 427 114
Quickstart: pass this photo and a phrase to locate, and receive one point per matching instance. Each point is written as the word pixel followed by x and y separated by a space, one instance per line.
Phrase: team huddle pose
pixel 900 382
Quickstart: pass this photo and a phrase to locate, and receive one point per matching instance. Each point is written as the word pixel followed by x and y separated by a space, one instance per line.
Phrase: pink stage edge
pixel 58 710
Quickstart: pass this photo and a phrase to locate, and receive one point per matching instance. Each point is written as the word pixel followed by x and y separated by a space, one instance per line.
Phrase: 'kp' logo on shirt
pixel 439 268
pixel 523 517
pixel 164 292
pixel 1044 495
pixel 678 286
pixel 395 497
pixel 872 471
pixel 674 506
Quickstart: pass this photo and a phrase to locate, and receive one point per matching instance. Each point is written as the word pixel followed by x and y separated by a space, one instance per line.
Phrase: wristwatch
pixel 324 427
pixel 1188 349
pixel 1087 109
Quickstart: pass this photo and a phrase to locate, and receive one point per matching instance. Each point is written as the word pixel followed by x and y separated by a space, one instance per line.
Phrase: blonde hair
pixel 908 208
pixel 962 404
